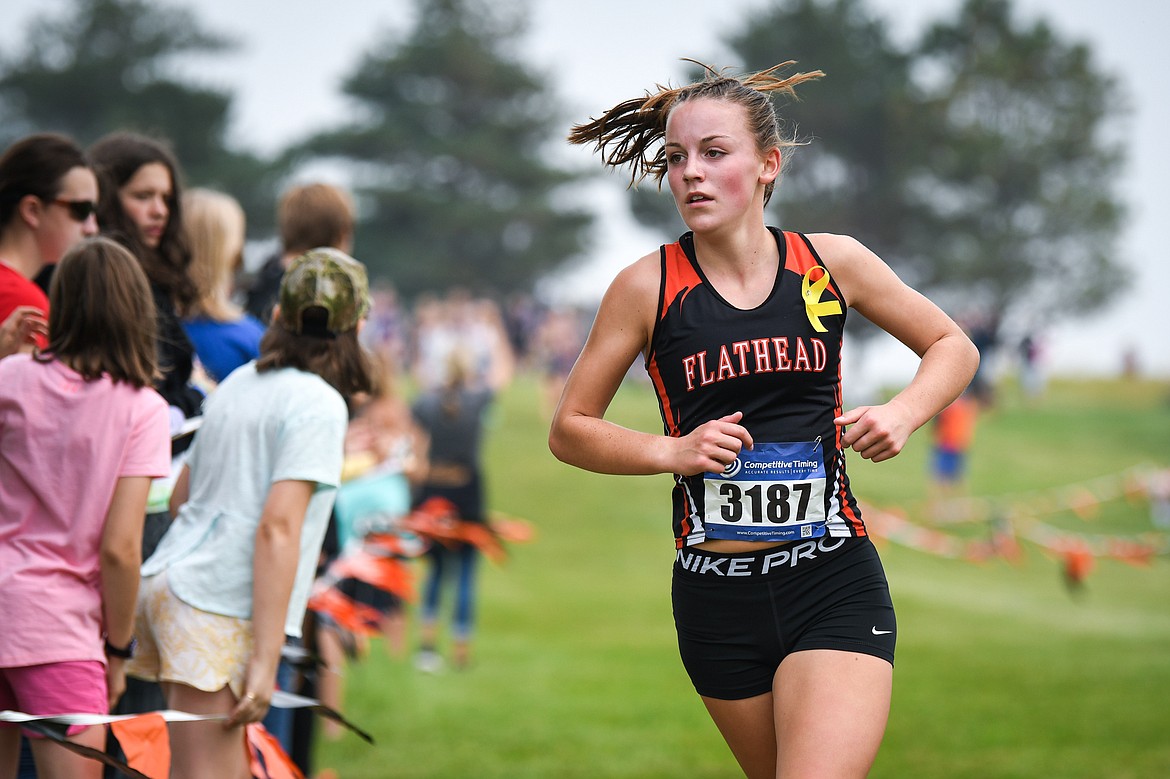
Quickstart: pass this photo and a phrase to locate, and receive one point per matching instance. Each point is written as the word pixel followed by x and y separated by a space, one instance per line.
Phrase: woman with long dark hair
pixel 140 208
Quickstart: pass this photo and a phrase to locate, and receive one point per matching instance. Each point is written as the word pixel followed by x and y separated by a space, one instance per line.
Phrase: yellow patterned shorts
pixel 180 643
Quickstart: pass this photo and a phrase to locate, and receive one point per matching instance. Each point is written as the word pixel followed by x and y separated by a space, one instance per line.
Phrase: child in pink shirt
pixel 81 435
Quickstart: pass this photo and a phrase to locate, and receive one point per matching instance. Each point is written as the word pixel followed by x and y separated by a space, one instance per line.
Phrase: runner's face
pixel 146 200
pixel 715 171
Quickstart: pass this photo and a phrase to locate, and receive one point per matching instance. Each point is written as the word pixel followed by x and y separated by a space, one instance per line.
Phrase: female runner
pixel 783 613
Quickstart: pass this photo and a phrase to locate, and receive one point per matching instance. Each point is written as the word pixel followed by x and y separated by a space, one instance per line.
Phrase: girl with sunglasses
pixel 48 195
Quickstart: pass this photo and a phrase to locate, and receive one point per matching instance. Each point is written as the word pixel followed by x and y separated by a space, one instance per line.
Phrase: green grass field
pixel 1001 672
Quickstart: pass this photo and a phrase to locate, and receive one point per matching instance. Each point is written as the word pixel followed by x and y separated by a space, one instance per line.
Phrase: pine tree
pixel 447 156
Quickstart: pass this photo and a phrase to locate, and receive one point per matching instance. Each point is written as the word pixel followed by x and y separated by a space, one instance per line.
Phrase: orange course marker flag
pixel 267 759
pixel 145 743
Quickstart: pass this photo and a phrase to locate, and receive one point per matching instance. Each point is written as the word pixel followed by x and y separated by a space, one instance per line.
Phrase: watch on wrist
pixel 124 652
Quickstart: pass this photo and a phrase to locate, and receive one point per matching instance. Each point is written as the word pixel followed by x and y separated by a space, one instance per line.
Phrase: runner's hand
pixel 712 445
pixel 877 432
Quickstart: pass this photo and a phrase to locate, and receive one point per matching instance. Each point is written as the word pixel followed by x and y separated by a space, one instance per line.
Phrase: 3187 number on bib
pixel 773 492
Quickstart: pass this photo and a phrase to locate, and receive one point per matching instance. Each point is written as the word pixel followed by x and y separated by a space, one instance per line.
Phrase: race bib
pixel 773 492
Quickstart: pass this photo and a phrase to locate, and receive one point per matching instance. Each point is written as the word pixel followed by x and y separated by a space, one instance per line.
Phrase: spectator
pixel 953 429
pixel 70 547
pixel 231 579
pixel 140 208
pixel 453 416
pixel 48 195
pixel 1032 382
pixel 309 216
pixel 224 336
pixel 385 454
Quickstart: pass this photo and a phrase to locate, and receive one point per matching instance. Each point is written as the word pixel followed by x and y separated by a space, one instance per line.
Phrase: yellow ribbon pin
pixel 813 305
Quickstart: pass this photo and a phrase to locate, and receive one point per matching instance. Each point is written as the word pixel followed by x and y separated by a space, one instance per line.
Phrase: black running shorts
pixel 739 615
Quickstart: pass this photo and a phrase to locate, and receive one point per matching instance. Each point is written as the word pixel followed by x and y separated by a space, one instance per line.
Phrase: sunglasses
pixel 80 210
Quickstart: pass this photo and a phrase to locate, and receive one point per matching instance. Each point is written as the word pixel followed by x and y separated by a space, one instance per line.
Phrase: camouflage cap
pixel 327 279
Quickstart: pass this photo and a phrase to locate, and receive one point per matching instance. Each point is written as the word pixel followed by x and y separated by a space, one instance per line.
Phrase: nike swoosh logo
pixel 877 632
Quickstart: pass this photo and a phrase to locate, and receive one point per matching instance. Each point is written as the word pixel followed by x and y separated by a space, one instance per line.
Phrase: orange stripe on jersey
pixel 663 398
pixel 847 510
pixel 680 277
pixel 799 257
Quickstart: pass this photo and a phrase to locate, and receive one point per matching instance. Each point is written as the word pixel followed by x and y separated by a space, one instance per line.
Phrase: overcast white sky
pixel 294 54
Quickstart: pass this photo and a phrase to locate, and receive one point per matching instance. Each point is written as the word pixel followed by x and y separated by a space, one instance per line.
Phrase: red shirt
pixel 15 291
